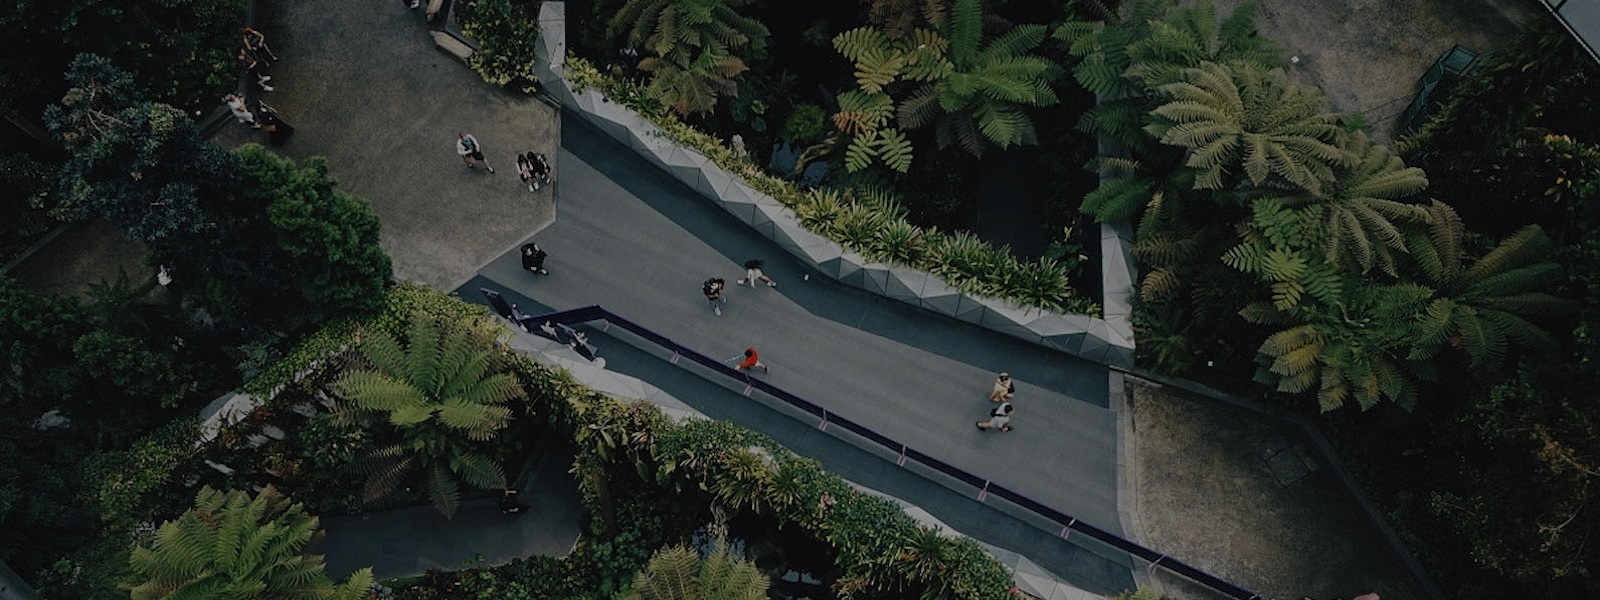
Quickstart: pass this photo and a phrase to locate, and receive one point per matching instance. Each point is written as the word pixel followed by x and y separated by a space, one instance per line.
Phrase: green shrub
pixel 507 34
pixel 806 125
pixel 131 482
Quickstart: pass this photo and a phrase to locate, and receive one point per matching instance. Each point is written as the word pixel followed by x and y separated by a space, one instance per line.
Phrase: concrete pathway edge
pixel 1105 341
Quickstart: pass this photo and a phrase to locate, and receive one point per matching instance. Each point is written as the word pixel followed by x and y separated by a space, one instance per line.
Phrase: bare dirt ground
pixel 1366 55
pixel 1228 491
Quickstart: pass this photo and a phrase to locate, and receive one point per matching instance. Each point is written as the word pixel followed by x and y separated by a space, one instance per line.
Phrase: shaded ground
pixel 1209 489
pixel 409 541
pixel 83 255
pixel 364 86
pixel 1366 55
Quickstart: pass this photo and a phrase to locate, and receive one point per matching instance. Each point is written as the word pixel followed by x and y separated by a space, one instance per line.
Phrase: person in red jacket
pixel 752 361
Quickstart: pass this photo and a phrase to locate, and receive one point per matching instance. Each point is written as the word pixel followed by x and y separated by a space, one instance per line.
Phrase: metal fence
pixel 902 455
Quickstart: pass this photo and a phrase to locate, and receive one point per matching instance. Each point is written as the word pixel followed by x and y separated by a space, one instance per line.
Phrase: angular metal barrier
pixel 827 419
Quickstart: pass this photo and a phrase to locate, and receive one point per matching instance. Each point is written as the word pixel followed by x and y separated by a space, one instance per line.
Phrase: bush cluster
pixel 507 34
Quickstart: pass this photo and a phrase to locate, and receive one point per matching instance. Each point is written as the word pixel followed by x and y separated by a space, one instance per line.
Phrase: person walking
pixel 752 272
pixel 533 258
pixel 713 291
pixel 752 360
pixel 999 418
pixel 256 43
pixel 236 105
pixel 471 152
pixel 1003 389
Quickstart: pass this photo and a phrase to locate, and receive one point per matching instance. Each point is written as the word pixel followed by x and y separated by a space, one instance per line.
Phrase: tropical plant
pixel 437 391
pixel 691 83
pixel 984 96
pixel 1356 214
pixel 899 17
pixel 1252 120
pixel 233 546
pixel 698 47
pixel 1351 347
pixel 1489 305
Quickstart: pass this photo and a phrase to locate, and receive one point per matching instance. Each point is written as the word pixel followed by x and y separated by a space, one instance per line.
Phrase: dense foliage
pixel 507 34
pixel 1437 293
pixel 180 52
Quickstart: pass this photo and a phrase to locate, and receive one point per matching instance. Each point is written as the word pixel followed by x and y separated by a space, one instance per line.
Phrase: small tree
pixel 439 396
pixel 232 546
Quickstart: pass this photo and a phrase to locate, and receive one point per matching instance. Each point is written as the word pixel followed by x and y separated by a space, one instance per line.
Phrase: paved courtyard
pixel 363 85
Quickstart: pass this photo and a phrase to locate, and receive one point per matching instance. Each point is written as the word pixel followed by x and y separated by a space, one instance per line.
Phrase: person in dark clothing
pixel 254 71
pixel 533 258
pixel 713 290
pixel 273 123
pixel 256 43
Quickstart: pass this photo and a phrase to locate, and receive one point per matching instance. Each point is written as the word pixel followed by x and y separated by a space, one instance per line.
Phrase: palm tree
pixel 692 85
pixel 984 95
pixel 1230 117
pixel 435 392
pixel 1486 306
pixel 231 546
pixel 1357 213
pixel 678 573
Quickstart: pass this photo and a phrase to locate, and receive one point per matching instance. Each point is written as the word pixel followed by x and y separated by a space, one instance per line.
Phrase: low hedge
pixel 961 259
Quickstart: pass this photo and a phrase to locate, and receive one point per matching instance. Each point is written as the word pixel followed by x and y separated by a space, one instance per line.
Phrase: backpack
pixel 469 144
pixel 1000 411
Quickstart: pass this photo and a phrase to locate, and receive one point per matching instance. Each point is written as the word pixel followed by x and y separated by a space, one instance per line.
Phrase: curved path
pixel 629 237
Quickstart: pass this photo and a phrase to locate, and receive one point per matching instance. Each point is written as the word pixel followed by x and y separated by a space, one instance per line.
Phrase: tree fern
pixel 1487 306
pixel 1242 119
pixel 441 400
pixel 679 573
pixel 232 546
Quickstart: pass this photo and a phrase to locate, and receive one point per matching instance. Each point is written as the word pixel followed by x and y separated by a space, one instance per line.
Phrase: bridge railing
pixel 985 490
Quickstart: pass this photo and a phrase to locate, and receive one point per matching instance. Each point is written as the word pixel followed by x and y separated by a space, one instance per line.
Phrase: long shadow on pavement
pixel 1071 562
pixel 892 319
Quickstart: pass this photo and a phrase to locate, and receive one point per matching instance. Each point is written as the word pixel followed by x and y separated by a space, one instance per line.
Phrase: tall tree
pixel 141 164
pixel 439 395
pixel 232 546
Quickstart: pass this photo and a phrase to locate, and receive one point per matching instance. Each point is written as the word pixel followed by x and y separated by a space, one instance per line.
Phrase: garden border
pixel 1107 341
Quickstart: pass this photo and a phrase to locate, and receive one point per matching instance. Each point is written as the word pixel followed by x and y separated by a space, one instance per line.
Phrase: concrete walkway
pixel 630 238
pixel 363 86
